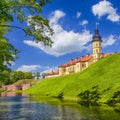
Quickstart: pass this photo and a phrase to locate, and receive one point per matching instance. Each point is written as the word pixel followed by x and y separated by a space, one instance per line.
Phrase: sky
pixel 73 22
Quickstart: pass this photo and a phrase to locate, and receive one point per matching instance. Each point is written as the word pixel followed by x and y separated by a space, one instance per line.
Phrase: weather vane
pixel 97 23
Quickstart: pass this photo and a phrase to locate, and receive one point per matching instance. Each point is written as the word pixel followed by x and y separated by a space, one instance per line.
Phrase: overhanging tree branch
pixel 12 26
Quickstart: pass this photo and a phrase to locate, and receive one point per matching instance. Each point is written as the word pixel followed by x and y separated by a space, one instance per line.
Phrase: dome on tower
pixel 96 36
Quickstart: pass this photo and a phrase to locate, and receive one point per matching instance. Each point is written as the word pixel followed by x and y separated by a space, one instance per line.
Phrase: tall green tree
pixel 25 11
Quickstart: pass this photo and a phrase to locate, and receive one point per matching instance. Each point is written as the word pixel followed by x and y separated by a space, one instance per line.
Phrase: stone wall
pixel 15 87
pixel 25 86
pixel 11 87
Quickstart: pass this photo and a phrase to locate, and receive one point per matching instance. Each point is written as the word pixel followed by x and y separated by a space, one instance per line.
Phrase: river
pixel 37 108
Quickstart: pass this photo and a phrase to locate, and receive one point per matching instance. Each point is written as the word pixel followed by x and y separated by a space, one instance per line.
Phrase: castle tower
pixel 97 45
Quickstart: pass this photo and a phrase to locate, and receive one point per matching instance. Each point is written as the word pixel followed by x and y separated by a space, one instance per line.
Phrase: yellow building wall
pixel 97 50
pixel 50 76
pixel 62 71
pixel 78 67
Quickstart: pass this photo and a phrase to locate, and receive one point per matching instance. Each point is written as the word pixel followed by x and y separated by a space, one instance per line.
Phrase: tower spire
pixel 97 23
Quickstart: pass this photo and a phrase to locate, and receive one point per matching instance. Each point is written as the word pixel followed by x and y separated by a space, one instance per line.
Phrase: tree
pixel 43 75
pixel 7 55
pixel 5 77
pixel 25 11
pixel 7 52
pixel 28 75
pixel 37 75
pixel 17 75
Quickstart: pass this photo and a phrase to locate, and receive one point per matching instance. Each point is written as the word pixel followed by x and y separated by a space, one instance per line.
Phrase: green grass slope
pixel 27 81
pixel 99 82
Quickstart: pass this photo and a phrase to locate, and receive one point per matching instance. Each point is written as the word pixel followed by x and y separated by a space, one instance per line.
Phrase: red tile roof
pixel 52 73
pixel 106 54
pixel 73 62
pixel 86 58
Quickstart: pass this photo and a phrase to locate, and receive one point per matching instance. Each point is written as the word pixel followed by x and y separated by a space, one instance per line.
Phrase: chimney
pixel 88 54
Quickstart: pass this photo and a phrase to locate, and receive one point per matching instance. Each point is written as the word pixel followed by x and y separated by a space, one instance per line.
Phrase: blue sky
pixel 74 23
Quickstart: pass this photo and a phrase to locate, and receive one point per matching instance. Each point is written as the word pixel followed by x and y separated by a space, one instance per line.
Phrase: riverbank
pixel 37 107
pixel 100 83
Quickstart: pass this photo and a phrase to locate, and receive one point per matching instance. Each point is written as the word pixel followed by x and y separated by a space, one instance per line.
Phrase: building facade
pixel 79 64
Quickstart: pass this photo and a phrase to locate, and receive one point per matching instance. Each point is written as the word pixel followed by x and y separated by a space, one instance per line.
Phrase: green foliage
pixel 5 77
pixel 39 28
pixel 4 12
pixel 105 74
pixel 114 99
pixel 10 77
pixel 90 97
pixel 7 52
pixel 25 11
pixel 7 56
pixel 27 75
pixel 19 75
pixel 60 96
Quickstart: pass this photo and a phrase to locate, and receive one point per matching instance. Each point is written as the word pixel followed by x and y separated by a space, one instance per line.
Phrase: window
pixel 83 65
pixel 97 51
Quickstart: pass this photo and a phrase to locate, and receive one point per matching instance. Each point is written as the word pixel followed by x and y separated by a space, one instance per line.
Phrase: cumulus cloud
pixel 78 15
pixel 84 22
pixel 110 40
pixel 28 68
pixel 64 41
pixel 106 8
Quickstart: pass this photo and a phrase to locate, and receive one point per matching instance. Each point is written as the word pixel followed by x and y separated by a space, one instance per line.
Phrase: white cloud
pixel 78 15
pixel 84 22
pixel 64 41
pixel 49 69
pixel 110 40
pixel 28 68
pixel 106 8
pixel 55 16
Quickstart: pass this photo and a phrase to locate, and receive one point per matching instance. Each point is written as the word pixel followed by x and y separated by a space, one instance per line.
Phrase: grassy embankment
pixel 27 81
pixel 98 83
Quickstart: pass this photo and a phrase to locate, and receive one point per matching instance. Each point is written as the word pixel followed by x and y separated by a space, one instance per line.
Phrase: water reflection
pixel 27 108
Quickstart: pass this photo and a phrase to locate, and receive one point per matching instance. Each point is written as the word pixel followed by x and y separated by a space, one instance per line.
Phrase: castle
pixel 79 64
